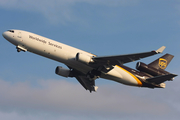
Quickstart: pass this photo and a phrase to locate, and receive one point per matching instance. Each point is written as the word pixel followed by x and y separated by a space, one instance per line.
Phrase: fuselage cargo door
pixel 19 36
pixel 21 45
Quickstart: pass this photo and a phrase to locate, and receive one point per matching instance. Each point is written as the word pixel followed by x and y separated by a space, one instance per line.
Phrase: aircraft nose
pixel 4 34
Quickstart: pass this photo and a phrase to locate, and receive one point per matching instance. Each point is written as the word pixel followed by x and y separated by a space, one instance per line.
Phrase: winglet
pixel 161 49
pixel 95 88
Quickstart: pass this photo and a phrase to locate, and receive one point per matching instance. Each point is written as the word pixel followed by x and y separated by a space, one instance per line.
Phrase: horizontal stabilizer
pixel 161 79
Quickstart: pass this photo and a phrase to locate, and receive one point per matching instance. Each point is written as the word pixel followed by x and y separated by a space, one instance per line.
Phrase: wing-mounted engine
pixel 84 58
pixel 63 72
pixel 150 70
pixel 87 81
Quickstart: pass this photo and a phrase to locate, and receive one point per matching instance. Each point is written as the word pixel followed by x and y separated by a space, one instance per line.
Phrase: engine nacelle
pixel 62 71
pixel 150 70
pixel 83 58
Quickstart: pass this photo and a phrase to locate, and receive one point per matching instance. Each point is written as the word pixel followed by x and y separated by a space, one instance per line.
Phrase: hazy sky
pixel 29 87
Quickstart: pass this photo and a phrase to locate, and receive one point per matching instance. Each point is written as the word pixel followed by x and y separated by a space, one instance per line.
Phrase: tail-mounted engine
pixel 84 58
pixel 150 70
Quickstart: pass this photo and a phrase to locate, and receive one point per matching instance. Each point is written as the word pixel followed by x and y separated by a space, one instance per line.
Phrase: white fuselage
pixel 65 54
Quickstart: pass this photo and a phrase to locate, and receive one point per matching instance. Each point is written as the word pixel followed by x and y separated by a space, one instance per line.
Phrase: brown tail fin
pixel 162 62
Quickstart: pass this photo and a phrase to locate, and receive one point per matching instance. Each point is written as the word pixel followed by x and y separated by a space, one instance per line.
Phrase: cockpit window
pixel 11 31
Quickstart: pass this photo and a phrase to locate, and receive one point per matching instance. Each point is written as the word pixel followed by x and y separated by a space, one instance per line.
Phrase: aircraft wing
pixel 121 59
pixel 105 64
pixel 87 83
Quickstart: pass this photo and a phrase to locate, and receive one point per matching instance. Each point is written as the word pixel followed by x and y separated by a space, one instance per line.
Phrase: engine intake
pixel 150 70
pixel 84 58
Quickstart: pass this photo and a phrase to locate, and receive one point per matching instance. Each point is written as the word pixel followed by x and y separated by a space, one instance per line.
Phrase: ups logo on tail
pixel 162 63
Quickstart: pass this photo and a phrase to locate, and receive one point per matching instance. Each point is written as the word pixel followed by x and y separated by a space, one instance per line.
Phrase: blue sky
pixel 29 88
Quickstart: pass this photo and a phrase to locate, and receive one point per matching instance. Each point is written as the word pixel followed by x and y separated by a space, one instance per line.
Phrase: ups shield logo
pixel 162 63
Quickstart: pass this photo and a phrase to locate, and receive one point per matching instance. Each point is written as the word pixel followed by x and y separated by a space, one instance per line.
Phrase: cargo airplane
pixel 87 67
